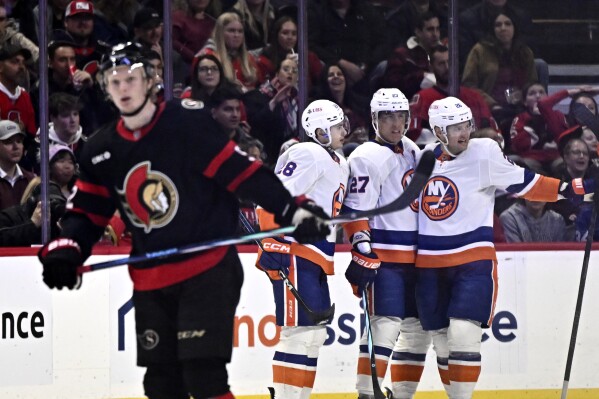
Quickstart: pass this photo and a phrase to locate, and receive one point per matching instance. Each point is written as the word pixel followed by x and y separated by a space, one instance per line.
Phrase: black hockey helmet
pixel 130 54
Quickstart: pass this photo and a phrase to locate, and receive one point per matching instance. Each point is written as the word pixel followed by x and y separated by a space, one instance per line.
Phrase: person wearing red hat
pixel 79 29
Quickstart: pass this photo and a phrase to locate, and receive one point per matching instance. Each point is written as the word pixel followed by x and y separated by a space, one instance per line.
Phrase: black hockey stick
pixel 412 191
pixel 318 318
pixel 577 311
pixel 585 117
pixel 376 388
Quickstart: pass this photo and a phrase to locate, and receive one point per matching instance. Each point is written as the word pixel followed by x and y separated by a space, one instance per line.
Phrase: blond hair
pixel 218 35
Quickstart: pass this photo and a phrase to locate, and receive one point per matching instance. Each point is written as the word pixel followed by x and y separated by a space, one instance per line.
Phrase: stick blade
pixel 323 318
pixel 585 117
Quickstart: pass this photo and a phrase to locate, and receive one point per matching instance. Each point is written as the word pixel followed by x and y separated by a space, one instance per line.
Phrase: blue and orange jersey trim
pixel 454 250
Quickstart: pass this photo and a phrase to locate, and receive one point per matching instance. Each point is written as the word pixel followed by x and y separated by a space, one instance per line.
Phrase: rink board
pixel 56 344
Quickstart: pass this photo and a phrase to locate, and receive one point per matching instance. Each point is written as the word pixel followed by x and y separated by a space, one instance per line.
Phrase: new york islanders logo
pixel 405 180
pixel 149 197
pixel 440 198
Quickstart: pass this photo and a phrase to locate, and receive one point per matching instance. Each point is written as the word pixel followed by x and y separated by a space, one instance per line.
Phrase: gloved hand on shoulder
pixel 60 259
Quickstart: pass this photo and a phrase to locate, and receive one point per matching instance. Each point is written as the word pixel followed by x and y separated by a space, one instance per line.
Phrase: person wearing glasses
pixel 207 75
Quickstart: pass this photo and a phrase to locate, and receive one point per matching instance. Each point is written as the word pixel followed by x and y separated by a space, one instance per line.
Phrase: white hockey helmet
pixel 323 114
pixel 388 100
pixel 448 111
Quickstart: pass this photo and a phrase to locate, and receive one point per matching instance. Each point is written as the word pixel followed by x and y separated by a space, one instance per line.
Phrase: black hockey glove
pixel 60 259
pixel 308 218
pixel 274 255
pixel 362 270
pixel 577 188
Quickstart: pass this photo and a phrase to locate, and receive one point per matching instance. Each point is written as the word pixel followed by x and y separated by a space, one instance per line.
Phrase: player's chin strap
pixel 445 144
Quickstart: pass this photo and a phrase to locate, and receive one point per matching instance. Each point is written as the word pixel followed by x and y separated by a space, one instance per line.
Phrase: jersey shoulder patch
pixel 189 103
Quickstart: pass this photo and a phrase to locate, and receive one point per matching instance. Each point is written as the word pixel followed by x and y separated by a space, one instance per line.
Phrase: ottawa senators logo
pixel 440 198
pixel 149 197
pixel 405 180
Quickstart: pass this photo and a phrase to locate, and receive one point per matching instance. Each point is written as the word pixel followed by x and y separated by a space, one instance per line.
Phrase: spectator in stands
pixel 500 65
pixel 79 29
pixel 15 102
pixel 13 179
pixel 29 22
pixel 10 35
pixel 21 224
pixel 273 110
pixel 531 221
pixel 349 33
pixel 419 130
pixel 555 119
pixel 402 20
pixel 228 45
pixel 225 107
pixel 156 60
pixel 333 87
pixel 65 128
pixel 474 23
pixel 257 17
pixel 283 44
pixel 576 157
pixel 193 23
pixel 112 19
pixel 532 141
pixel 207 76
pixel 408 68
pixel 148 27
pixel 65 77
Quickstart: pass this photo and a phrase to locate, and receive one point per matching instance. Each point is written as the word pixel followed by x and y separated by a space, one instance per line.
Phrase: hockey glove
pixel 60 259
pixel 577 188
pixel 308 218
pixel 274 256
pixel 361 271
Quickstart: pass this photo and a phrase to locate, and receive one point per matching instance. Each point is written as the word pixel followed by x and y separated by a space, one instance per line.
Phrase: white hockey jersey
pixel 379 174
pixel 455 221
pixel 309 169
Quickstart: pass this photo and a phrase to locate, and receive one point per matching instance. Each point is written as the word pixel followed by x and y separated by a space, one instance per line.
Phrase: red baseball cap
pixel 78 7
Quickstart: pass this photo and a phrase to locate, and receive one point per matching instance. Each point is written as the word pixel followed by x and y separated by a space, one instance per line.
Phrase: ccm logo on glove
pixel 276 247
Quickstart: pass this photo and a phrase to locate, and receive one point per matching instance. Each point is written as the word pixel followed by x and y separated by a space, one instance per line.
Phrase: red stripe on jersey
pixel 98 220
pixel 168 274
pixel 91 188
pixel 135 135
pixel 250 170
pixel 219 159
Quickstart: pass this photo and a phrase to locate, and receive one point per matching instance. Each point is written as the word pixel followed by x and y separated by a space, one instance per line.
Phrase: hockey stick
pixel 318 318
pixel 411 192
pixel 577 311
pixel 585 117
pixel 376 388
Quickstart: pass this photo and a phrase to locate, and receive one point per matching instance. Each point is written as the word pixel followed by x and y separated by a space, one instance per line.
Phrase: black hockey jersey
pixel 175 183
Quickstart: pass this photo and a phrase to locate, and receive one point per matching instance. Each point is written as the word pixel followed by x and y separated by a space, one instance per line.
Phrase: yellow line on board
pixel 591 393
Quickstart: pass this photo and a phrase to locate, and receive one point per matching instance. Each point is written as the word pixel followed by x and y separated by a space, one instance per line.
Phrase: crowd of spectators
pixel 240 59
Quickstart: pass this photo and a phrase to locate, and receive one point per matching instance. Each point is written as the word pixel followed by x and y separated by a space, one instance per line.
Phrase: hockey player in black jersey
pixel 175 178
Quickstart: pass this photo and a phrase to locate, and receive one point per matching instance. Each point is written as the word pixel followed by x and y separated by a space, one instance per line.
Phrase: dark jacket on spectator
pixel 11 195
pixel 474 23
pixel 358 38
pixel 406 68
